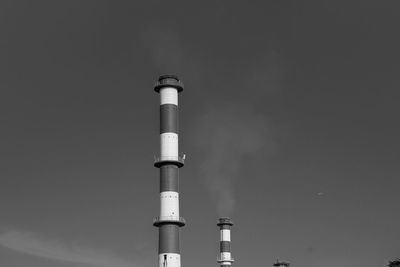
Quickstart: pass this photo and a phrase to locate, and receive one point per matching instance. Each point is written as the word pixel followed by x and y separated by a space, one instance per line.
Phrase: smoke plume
pixel 228 136
pixel 165 48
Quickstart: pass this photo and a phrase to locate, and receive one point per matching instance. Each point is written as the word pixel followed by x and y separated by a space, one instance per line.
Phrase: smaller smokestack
pixel 225 259
pixel 281 264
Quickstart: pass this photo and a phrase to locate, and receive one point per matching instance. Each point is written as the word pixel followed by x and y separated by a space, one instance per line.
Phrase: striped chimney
pixel 225 258
pixel 169 162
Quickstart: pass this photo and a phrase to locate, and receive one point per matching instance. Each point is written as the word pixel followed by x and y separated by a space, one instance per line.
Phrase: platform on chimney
pixel 180 221
pixel 222 259
pixel 178 161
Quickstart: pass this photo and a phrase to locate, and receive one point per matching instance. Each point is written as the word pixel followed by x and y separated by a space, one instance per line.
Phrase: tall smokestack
pixel 169 162
pixel 225 259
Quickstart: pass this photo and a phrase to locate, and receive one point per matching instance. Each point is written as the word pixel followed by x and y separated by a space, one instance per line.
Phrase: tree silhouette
pixel 394 263
pixel 283 264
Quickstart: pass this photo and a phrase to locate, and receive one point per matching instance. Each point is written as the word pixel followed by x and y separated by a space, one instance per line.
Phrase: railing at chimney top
pixel 169 158
pixel 169 218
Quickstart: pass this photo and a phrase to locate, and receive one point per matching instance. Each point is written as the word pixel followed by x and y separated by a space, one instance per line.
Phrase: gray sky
pixel 291 105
